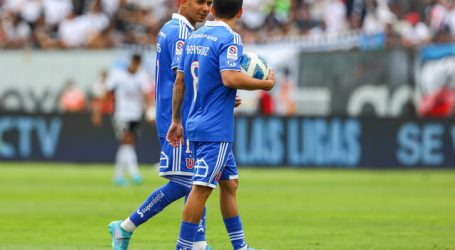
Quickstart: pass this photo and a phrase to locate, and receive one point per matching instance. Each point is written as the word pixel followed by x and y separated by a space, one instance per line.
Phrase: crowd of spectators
pixel 50 24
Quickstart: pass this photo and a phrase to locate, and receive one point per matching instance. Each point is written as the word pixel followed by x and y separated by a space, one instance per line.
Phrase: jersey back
pixel 209 51
pixel 170 44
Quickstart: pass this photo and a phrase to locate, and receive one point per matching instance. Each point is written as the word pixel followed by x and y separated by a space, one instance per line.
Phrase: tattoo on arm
pixel 177 98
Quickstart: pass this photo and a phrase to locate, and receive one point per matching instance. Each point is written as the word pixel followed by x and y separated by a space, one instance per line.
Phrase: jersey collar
pixel 183 19
pixel 217 23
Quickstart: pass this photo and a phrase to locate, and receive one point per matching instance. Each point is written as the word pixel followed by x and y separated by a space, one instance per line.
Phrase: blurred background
pixel 361 84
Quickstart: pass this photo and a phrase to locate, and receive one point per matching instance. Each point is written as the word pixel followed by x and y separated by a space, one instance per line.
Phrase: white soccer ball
pixel 254 66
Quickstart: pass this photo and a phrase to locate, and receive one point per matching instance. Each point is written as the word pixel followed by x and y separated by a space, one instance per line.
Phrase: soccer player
pixel 209 73
pixel 176 164
pixel 129 87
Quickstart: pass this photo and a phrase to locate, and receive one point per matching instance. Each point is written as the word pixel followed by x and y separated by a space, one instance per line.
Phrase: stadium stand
pixel 61 24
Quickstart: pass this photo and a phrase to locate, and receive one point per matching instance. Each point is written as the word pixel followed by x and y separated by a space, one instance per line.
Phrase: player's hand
pixel 175 134
pixel 270 81
pixel 150 115
pixel 238 101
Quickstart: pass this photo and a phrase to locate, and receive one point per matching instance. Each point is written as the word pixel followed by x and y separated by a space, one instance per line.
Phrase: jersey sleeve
pixel 176 45
pixel 230 53
pixel 181 65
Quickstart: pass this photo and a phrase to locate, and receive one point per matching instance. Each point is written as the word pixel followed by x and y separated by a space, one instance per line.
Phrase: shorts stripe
pixel 176 157
pixel 173 159
pixel 220 156
pixel 220 161
pixel 217 158
pixel 179 166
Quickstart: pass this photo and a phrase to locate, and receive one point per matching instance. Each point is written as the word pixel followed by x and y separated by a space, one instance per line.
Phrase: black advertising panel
pixel 345 142
pixel 67 138
pixel 259 141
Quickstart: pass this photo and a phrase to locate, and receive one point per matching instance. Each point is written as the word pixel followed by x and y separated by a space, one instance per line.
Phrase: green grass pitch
pixel 64 206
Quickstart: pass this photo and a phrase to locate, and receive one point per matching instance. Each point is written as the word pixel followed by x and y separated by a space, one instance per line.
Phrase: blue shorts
pixel 176 161
pixel 214 162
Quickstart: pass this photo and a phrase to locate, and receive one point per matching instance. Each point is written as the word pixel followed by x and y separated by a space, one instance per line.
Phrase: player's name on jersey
pixel 213 38
pixel 197 50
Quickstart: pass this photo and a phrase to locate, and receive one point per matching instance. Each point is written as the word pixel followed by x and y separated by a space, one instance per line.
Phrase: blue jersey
pixel 209 51
pixel 171 40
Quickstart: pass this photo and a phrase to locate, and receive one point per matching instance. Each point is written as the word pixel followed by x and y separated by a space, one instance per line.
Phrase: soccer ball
pixel 254 66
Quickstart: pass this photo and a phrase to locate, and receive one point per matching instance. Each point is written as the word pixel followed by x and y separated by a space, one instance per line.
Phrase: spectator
pixel 107 23
pixel 12 5
pixel 2 35
pixel 110 7
pixel 17 32
pixel 437 14
pixel 253 16
pixel 72 32
pixel 56 10
pixel 89 30
pixel 355 13
pixel 414 32
pixel 301 16
pixel 31 10
pixel 449 19
pixel 378 15
pixel 335 17
pixel 95 23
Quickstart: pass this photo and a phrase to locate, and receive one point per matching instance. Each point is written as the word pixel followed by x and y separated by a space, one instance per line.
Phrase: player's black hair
pixel 227 8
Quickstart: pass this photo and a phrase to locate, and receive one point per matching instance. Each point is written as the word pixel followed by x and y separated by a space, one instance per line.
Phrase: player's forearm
pixel 177 98
pixel 238 80
pixel 149 101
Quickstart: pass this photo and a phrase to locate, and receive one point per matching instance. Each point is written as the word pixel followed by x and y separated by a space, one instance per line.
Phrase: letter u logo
pixel 189 163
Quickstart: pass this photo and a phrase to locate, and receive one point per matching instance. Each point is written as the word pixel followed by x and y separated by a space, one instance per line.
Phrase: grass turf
pixel 64 206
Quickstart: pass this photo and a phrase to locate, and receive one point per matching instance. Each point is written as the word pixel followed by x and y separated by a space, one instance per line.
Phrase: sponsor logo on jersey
pixel 231 63
pixel 190 163
pixel 232 52
pixel 179 47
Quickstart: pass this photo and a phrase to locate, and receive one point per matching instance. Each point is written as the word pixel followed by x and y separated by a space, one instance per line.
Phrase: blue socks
pixel 157 201
pixel 235 231
pixel 200 235
pixel 187 236
pixel 189 231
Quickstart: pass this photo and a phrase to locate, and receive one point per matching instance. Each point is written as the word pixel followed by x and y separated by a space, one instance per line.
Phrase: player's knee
pixel 202 192
pixel 128 138
pixel 229 186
